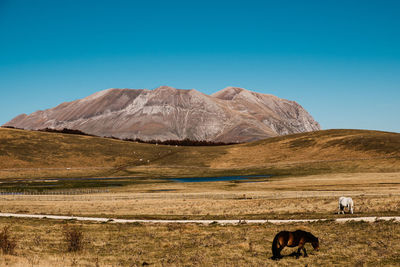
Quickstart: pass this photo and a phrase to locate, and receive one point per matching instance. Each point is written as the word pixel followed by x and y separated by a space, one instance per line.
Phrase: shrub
pixel 73 236
pixel 7 242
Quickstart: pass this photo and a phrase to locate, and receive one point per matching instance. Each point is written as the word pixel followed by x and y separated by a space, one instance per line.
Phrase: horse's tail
pixel 351 206
pixel 276 254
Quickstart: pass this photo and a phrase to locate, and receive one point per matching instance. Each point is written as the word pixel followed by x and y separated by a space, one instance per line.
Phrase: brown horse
pixel 293 239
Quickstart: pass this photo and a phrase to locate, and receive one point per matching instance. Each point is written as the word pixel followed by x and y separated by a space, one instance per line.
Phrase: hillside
pixel 322 151
pixel 315 146
pixel 34 149
pixel 307 153
pixel 230 115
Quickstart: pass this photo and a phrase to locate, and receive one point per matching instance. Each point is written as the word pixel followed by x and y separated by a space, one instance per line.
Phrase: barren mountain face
pixel 230 115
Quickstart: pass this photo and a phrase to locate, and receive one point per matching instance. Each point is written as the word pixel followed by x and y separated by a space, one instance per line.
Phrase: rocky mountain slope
pixel 230 115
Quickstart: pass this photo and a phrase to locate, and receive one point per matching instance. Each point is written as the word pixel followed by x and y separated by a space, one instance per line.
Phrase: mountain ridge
pixel 232 114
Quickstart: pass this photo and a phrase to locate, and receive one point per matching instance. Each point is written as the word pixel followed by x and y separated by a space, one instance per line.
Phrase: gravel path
pixel 94 219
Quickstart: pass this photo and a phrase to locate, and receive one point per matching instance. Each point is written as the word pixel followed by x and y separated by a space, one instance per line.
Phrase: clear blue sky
pixel 338 59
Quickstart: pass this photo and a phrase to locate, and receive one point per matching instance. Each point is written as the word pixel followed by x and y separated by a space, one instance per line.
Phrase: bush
pixel 184 142
pixel 7 242
pixel 65 131
pixel 73 236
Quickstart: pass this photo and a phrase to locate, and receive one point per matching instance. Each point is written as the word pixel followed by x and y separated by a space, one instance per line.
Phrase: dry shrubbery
pixel 7 242
pixel 184 142
pixel 73 236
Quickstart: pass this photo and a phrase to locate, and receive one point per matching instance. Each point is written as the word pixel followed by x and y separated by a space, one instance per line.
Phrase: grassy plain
pixel 40 243
pixel 291 197
pixel 309 172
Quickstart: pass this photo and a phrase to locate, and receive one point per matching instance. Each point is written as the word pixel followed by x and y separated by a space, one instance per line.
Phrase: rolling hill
pixel 54 154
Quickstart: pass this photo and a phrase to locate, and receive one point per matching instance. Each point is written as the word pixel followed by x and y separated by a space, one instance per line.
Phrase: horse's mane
pixel 311 236
pixel 308 235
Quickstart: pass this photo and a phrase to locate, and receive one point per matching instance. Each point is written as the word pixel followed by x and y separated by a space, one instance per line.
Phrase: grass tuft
pixel 74 238
pixel 7 241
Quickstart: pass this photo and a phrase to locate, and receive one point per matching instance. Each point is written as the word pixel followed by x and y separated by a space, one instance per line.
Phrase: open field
pixel 40 243
pixel 374 194
pixel 309 172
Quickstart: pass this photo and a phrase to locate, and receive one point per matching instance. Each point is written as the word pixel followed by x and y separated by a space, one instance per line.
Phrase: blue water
pixel 217 179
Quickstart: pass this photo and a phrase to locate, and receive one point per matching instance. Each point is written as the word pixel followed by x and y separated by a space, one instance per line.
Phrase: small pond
pixel 217 179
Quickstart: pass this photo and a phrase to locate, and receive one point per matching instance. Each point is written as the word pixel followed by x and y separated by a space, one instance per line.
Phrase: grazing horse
pixel 293 239
pixel 346 202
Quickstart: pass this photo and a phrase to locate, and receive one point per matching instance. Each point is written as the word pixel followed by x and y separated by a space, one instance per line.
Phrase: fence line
pixel 54 192
pixel 95 195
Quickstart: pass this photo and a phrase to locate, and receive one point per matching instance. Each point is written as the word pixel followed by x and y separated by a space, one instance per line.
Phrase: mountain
pixel 230 115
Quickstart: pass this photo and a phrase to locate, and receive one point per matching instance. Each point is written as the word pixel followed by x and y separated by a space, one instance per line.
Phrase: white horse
pixel 346 202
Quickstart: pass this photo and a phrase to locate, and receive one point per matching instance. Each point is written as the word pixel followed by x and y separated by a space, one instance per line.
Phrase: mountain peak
pixel 229 93
pixel 165 88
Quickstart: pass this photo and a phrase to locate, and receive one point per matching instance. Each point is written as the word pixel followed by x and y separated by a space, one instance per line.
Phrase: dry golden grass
pixel 20 149
pixel 300 197
pixel 40 243
pixel 338 147
pixel 329 151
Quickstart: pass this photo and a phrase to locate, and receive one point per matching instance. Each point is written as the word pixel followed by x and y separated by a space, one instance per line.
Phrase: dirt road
pixel 110 220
